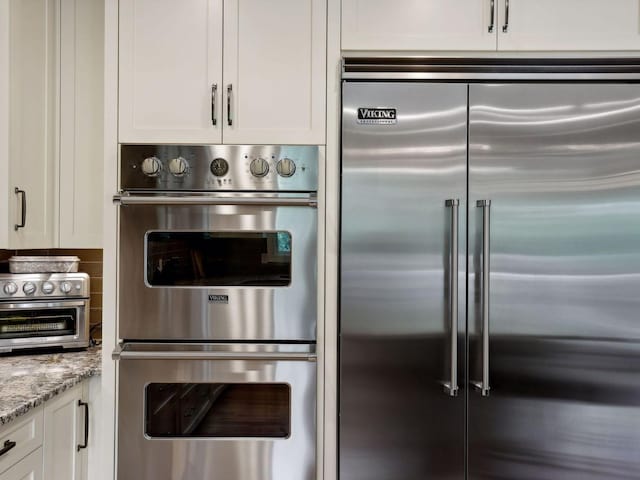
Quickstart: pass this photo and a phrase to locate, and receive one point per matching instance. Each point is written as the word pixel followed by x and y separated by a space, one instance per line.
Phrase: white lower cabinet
pixel 29 468
pixel 49 443
pixel 65 444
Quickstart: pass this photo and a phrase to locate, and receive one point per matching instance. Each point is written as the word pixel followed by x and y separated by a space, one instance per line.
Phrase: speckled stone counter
pixel 26 381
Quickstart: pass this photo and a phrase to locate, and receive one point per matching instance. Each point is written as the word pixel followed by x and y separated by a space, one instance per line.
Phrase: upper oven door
pixel 218 268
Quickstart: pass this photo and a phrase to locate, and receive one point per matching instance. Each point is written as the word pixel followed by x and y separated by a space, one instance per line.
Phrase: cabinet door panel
pixel 570 25
pixel 275 59
pixel 62 434
pixel 81 128
pixel 29 468
pixel 170 55
pixel 32 107
pixel 417 25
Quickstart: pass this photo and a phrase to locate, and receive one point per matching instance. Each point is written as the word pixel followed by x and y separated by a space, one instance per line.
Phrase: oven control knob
pixel 151 166
pixel 259 167
pixel 219 167
pixel 65 287
pixel 10 288
pixel 48 288
pixel 286 167
pixel 178 166
pixel 29 288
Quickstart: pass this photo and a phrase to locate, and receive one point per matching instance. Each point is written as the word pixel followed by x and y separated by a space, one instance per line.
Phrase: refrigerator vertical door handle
pixel 483 385
pixel 451 387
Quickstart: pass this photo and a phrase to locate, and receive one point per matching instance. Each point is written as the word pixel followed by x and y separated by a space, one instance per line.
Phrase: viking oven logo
pixel 218 298
pixel 377 116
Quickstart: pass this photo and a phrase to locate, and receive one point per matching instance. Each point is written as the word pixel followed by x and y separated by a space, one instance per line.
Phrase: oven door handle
pixel 120 354
pixel 306 201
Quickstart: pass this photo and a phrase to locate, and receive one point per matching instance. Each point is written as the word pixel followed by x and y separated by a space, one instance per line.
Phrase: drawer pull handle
pixel 8 445
pixel 86 424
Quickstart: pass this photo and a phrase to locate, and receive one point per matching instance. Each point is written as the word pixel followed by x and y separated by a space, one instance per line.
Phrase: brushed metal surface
pixel 561 166
pixel 185 313
pixel 144 458
pixel 396 421
pixel 199 177
pixel 26 307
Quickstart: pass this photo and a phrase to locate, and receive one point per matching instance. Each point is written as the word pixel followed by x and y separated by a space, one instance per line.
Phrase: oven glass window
pixel 215 259
pixel 218 410
pixel 37 323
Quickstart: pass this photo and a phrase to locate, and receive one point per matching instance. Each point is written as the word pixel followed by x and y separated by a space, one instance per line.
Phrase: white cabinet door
pixel 29 468
pixel 32 120
pixel 274 71
pixel 81 123
pixel 170 57
pixel 63 432
pixel 419 24
pixel 569 25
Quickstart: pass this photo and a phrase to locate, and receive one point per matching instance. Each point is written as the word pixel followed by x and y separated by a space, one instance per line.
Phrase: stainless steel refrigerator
pixel 490 270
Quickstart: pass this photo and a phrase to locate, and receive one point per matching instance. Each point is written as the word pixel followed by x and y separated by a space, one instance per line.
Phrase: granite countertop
pixel 26 381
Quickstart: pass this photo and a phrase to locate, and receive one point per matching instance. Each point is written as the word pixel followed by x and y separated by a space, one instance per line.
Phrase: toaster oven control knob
pixel 10 288
pixel 178 166
pixel 29 288
pixel 65 287
pixel 259 167
pixel 48 288
pixel 219 167
pixel 151 166
pixel 286 167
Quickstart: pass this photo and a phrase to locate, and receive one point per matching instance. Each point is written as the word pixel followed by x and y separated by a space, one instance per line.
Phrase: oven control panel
pixel 40 286
pixel 272 168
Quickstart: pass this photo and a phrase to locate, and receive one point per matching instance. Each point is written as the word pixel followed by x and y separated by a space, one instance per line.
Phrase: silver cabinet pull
pixel 229 93
pixel 483 385
pixel 214 94
pixel 492 25
pixel 505 27
pixel 23 219
pixel 451 387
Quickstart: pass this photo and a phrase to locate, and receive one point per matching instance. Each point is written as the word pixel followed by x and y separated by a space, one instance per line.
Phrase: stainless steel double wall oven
pixel 217 312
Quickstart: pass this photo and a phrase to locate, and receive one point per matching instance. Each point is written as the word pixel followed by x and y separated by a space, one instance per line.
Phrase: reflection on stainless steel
pixel 217 252
pixel 395 421
pixel 560 164
pixel 226 432
pixel 251 313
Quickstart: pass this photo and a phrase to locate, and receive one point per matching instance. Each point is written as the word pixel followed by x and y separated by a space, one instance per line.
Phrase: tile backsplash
pixel 90 262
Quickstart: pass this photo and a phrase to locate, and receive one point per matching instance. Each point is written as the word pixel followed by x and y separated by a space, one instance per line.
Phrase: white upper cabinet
pixel 170 71
pixel 569 25
pixel 274 63
pixel 173 87
pixel 491 25
pixel 32 183
pixel 51 133
pixel 418 24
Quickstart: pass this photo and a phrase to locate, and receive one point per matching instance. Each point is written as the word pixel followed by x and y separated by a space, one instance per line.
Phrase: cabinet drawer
pixel 26 432
pixel 29 468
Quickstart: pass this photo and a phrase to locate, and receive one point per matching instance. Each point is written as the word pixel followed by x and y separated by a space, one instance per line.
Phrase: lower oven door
pixel 214 268
pixel 225 412
pixel 43 324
